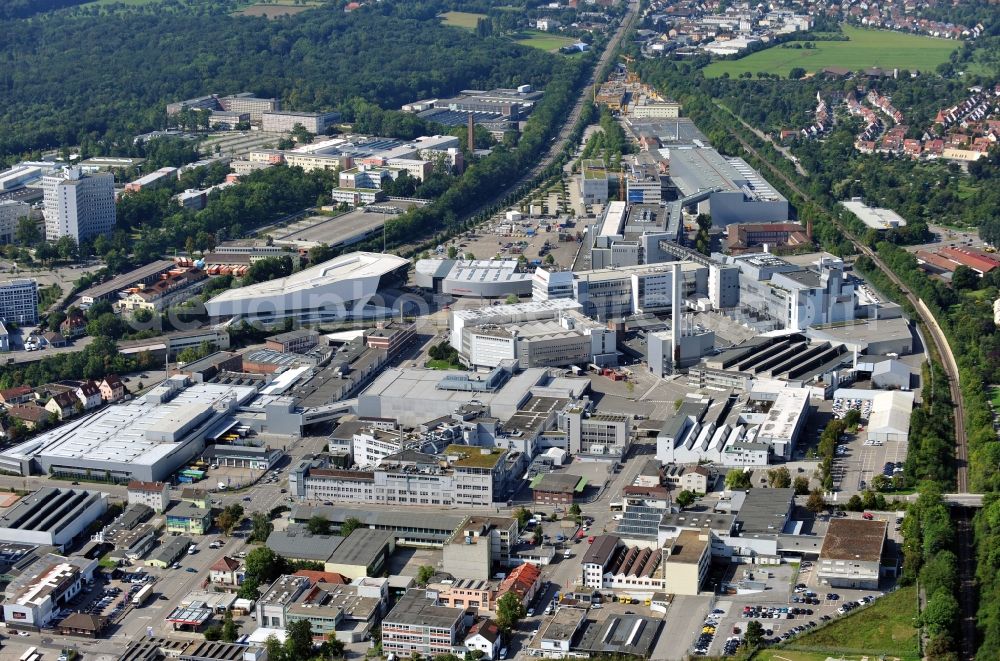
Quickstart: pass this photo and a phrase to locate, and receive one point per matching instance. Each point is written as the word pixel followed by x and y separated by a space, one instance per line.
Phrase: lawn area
pixel 883 628
pixel 462 19
pixel 542 40
pixel 866 48
pixel 436 364
pixel 995 397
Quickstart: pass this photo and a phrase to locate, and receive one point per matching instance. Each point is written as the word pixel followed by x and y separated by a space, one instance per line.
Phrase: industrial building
pixel 852 554
pixel 874 217
pixel 78 205
pixel 52 516
pixel 411 528
pixel 629 235
pixel 613 293
pixel 776 294
pixel 147 438
pixel 341 288
pixel 535 334
pixel 733 191
pixel 873 336
pixel 46 586
pixel 473 278
pixel 763 237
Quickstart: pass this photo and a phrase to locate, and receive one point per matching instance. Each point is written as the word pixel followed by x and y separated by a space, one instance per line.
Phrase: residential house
pixel 227 572
pixel 524 581
pixel 73 326
pixel 83 624
pixel 89 395
pixel 17 395
pixel 112 388
pixel 63 404
pixel 484 636
pixel 30 415
pixel 189 518
pixel 152 494
pixel 54 340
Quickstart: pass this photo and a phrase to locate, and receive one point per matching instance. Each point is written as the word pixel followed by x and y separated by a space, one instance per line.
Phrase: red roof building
pixel 523 581
pixel 980 262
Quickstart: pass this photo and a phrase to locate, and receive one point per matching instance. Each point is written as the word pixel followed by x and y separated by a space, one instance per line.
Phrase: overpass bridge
pixel 964 499
pixel 329 412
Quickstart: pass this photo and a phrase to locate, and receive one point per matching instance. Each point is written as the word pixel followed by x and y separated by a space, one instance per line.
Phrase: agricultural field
pixel 543 40
pixel 275 10
pixel 462 19
pixel 866 48
pixel 884 628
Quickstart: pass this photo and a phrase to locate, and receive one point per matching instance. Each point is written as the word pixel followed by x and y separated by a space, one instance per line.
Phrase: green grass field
pixel 462 19
pixel 885 628
pixel 543 40
pixel 995 397
pixel 866 48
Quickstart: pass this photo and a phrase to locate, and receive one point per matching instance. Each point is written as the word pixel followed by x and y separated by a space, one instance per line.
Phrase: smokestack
pixel 472 134
pixel 675 313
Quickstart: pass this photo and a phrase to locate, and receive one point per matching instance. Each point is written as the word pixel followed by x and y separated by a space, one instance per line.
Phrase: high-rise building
pixel 11 212
pixel 78 205
pixel 19 301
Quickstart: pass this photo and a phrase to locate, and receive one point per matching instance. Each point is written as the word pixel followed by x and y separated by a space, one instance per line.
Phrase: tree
pixel 779 478
pixel 230 518
pixel 333 648
pixel 511 299
pixel 685 499
pixel 854 504
pixel 852 418
pixel 510 610
pixel 27 232
pixel 796 73
pixel 318 525
pixel 815 502
pixel 424 574
pixel 452 252
pixel 737 479
pixel 230 629
pixel 213 633
pixel 574 509
pixel 754 634
pixel 940 614
pixel 349 525
pixel 801 485
pixel 249 589
pixel 262 527
pixel 522 515
pixel 964 279
pixel 881 483
pixel 549 259
pixel 298 640
pixel 264 565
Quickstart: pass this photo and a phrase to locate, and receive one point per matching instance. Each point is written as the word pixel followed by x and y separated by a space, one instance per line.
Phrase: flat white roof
pixel 875 217
pixel 118 433
pixel 353 266
pixel 614 219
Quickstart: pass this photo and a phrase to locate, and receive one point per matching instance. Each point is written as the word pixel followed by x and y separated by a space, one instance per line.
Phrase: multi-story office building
pixel 462 475
pixel 596 433
pixel 417 625
pixel 248 103
pixel 285 120
pixel 11 213
pixel 78 205
pixel 593 181
pixel 19 301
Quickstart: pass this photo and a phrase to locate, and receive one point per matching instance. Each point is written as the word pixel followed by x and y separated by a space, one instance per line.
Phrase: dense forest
pixel 91 73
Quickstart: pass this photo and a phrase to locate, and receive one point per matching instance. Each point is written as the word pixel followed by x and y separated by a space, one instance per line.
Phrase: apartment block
pixel 78 205
pixel 19 301
pixel 11 212
pixel 417 625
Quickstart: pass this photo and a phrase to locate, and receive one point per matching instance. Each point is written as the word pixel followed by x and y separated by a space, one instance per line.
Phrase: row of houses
pixel 33 406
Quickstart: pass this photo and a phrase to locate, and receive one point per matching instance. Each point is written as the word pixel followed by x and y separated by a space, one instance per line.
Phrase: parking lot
pixel 528 238
pixel 803 608
pixel 855 464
